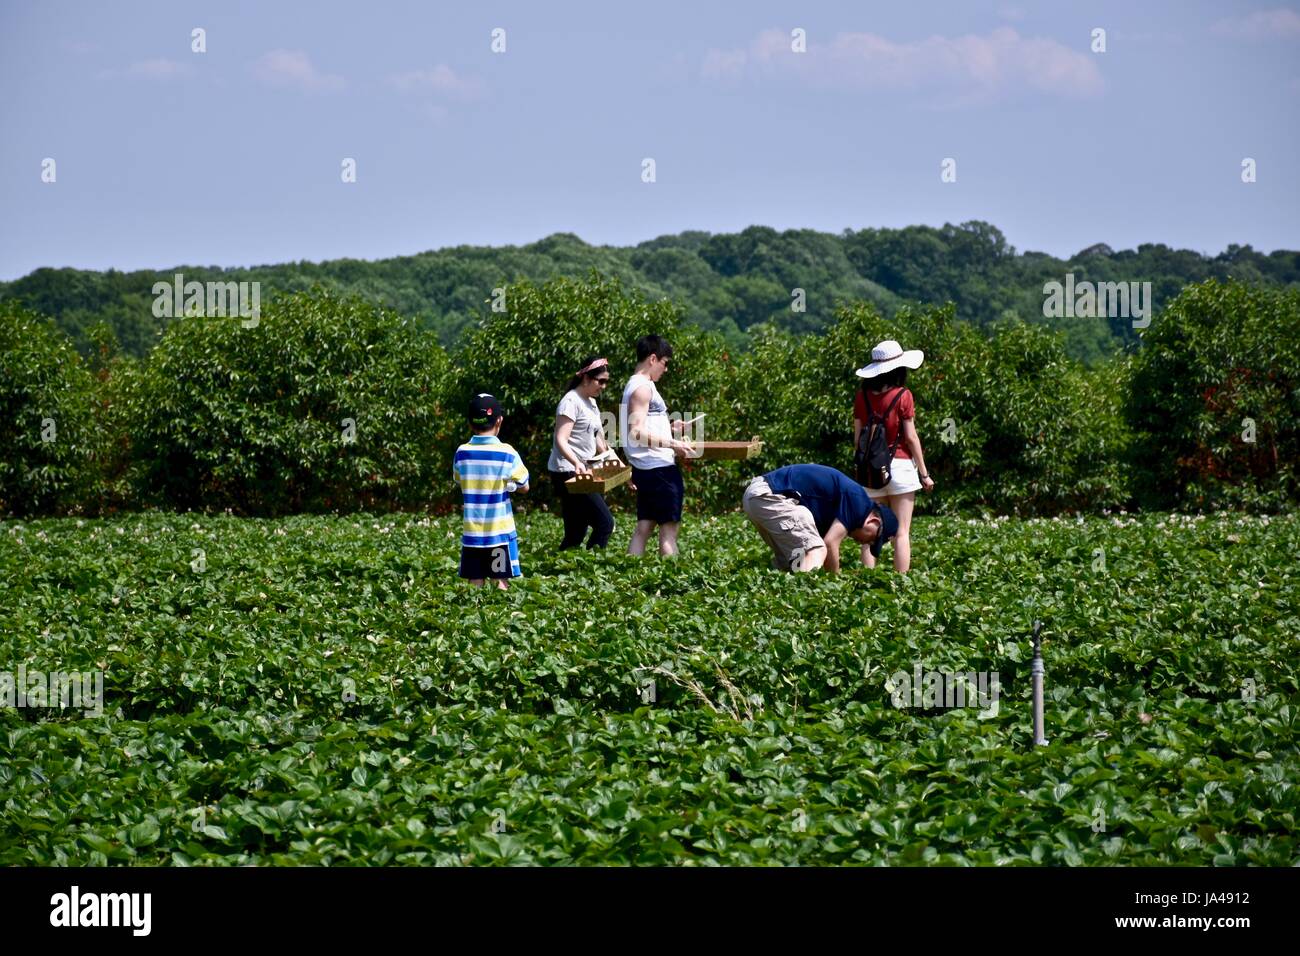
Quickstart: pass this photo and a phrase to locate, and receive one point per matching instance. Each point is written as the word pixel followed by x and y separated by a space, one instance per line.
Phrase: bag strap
pixel 899 437
pixel 884 421
pixel 871 412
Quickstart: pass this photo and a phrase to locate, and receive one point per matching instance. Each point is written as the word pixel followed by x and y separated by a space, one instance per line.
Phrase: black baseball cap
pixel 888 528
pixel 484 410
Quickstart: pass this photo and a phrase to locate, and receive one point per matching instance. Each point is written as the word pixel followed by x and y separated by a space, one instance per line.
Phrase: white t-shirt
pixel 640 455
pixel 582 439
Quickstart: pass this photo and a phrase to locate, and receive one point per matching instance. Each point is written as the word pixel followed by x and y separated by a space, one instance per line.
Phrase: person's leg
pixel 645 525
pixel 765 511
pixel 901 505
pixel 771 544
pixel 577 516
pixel 471 566
pixel 580 508
pixel 575 525
pixel 668 538
pixel 640 535
pixel 674 494
pixel 503 584
pixel 600 519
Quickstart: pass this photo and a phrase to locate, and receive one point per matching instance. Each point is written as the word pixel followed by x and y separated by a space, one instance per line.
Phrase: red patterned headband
pixel 595 364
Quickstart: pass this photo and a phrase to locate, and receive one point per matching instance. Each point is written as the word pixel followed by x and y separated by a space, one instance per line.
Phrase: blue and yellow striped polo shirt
pixel 482 467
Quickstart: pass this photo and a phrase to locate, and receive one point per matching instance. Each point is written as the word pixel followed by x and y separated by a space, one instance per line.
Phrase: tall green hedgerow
pixel 53 445
pixel 326 403
pixel 1215 399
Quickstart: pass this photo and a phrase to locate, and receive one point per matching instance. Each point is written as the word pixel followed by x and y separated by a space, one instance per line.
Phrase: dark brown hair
pixel 577 380
pixel 895 376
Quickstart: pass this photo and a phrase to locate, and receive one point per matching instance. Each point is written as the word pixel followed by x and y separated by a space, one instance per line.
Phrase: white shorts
pixel 902 479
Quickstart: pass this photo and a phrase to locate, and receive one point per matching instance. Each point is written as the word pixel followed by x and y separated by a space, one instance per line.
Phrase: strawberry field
pixel 323 690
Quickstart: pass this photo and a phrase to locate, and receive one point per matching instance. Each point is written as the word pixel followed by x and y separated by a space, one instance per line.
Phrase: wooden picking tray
pixel 600 480
pixel 728 450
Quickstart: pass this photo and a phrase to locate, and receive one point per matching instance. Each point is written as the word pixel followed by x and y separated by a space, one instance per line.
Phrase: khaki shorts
pixel 786 526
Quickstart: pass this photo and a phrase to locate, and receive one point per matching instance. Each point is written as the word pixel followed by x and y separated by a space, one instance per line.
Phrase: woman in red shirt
pixel 884 380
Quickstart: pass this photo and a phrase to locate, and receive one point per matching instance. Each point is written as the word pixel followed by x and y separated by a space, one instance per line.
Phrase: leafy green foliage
pixel 724 282
pixel 52 440
pixel 325 403
pixel 493 728
pixel 253 419
pixel 1006 421
pixel 1216 390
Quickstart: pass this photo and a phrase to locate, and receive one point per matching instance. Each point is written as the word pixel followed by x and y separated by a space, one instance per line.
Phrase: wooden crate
pixel 600 480
pixel 728 450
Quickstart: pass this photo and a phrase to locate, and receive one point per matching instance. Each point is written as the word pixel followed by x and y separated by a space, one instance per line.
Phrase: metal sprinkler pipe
pixel 1037 672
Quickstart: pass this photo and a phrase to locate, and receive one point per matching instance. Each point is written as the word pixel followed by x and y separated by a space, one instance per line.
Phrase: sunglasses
pixel 602 381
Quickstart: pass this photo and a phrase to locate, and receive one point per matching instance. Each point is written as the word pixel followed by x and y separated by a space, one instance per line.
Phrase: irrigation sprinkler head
pixel 1037 673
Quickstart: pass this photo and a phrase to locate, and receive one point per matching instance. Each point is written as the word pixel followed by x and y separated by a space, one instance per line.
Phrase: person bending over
pixel 804 513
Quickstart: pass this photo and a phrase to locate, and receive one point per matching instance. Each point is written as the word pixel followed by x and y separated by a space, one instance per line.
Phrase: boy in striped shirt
pixel 488 470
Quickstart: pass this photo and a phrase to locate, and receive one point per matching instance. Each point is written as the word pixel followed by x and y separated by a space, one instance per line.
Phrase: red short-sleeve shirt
pixel 906 408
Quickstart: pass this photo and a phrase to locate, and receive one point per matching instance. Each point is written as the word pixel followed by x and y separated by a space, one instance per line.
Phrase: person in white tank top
pixel 642 454
pixel 650 447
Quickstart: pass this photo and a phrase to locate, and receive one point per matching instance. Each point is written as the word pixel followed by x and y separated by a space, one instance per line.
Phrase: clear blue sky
pixel 232 157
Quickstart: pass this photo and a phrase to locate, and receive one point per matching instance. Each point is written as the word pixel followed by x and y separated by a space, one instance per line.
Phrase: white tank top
pixel 638 454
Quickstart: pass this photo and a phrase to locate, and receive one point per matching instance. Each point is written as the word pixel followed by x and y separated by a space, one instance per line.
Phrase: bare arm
pixel 563 429
pixel 519 477
pixel 913 442
pixel 832 541
pixel 638 407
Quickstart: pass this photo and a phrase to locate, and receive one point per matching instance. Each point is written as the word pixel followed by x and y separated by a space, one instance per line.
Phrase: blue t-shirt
pixel 827 493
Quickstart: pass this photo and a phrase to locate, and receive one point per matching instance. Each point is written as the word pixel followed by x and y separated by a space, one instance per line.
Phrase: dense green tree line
pixel 725 283
pixel 332 403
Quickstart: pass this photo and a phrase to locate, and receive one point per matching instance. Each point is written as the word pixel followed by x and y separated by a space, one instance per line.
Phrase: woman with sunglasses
pixel 578 439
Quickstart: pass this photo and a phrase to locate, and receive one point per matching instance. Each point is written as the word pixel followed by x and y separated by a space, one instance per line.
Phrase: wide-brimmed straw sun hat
pixel 890 355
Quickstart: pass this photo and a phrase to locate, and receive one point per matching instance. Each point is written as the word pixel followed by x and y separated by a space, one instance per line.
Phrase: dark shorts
pixel 659 494
pixel 500 562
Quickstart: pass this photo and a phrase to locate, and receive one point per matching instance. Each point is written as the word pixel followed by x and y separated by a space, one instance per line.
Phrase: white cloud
pixel 1261 25
pixel 970 67
pixel 724 64
pixel 293 68
pixel 442 80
